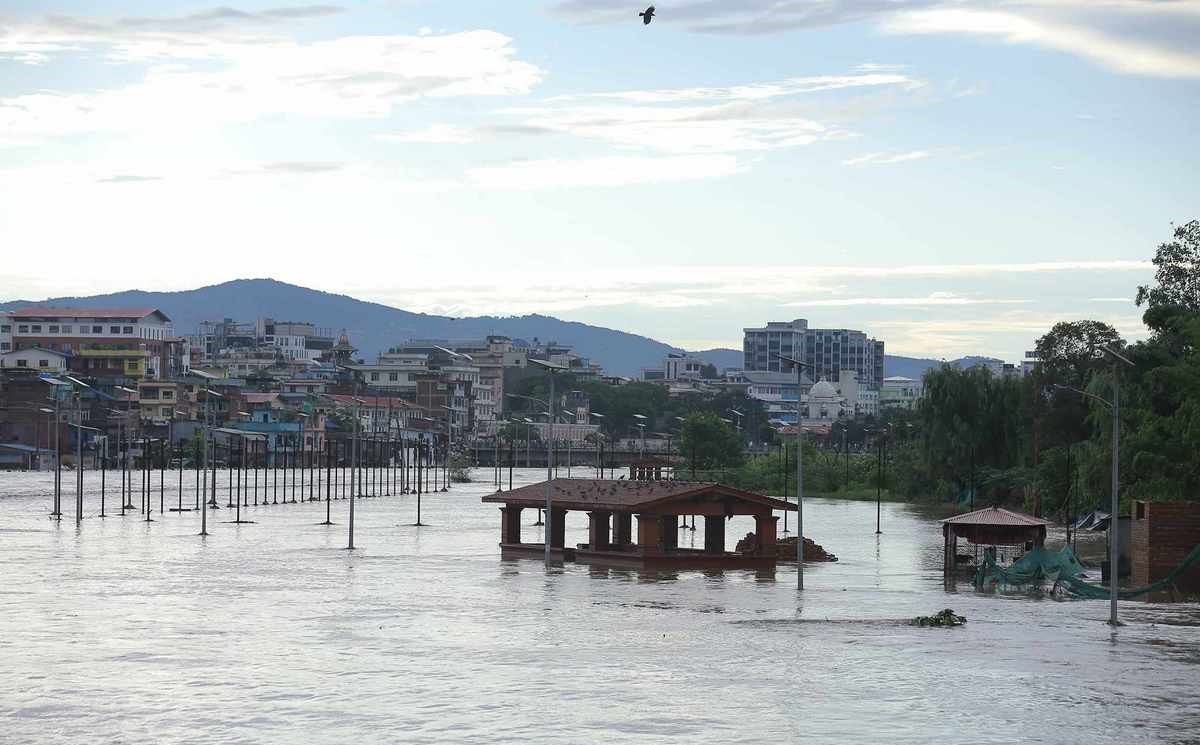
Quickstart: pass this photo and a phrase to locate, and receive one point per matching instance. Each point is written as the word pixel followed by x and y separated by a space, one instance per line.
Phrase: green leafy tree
pixel 709 442
pixel 1177 272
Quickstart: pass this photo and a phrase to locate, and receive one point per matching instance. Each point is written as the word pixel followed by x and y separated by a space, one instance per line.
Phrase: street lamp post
pixel 1114 522
pixel 551 369
pixel 799 469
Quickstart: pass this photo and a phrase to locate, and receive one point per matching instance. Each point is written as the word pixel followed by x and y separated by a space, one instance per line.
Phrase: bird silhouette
pixel 647 15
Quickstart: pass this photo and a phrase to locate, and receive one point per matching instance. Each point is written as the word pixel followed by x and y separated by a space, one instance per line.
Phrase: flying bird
pixel 647 15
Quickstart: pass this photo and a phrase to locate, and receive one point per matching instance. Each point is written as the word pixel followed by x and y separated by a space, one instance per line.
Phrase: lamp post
pixel 799 469
pixel 1114 522
pixel 599 445
pixel 551 369
pixel 641 423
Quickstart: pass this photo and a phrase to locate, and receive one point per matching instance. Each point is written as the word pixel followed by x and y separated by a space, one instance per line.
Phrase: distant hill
pixel 915 367
pixel 374 327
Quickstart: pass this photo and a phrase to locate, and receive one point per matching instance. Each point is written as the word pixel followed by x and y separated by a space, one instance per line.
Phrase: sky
pixel 951 177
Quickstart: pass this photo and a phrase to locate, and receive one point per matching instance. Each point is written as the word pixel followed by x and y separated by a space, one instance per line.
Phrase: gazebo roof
pixel 997 517
pixel 625 496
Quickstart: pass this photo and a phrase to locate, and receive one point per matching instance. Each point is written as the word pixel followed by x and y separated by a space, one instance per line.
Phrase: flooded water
pixel 128 632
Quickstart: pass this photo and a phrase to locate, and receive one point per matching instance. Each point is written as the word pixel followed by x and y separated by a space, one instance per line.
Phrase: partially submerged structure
pixel 991 526
pixel 1166 536
pixel 658 506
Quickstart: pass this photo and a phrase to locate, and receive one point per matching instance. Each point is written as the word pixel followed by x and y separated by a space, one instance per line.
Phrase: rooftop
pixel 996 516
pixel 589 494
pixel 49 311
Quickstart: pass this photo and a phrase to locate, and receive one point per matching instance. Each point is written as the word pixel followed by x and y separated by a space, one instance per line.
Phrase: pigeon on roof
pixel 647 15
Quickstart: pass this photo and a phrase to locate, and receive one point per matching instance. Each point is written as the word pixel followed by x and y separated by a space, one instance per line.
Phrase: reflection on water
pixel 273 633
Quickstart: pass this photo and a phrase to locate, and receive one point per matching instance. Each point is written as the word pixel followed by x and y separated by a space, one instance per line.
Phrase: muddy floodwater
pixel 123 631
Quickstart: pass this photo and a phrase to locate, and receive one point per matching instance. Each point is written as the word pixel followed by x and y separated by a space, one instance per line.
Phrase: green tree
pixel 1177 271
pixel 709 442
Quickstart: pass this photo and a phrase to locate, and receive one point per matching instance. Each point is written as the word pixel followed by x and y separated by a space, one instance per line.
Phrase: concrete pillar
pixel 714 534
pixel 670 532
pixel 650 534
pixel 510 524
pixel 558 527
pixel 765 529
pixel 622 528
pixel 598 530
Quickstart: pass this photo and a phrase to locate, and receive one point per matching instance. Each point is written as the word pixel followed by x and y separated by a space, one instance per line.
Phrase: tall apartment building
pixel 829 351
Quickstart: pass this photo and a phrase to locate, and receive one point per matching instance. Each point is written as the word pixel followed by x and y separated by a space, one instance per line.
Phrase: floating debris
pixel 941 618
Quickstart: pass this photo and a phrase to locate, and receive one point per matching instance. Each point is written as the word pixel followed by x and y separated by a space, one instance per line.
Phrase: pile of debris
pixel 785 549
pixel 941 618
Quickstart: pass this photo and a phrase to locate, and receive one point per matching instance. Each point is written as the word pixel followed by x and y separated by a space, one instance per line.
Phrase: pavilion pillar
pixel 622 528
pixel 598 530
pixel 557 527
pixel 670 532
pixel 510 524
pixel 650 534
pixel 714 534
pixel 765 530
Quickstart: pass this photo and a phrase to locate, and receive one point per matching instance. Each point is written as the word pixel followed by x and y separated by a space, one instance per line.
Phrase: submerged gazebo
pixel 991 526
pixel 658 505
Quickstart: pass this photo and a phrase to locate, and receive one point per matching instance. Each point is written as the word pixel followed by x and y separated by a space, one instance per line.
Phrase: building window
pixel 54 329
pixel 22 329
pixel 393 377
pixel 127 330
pixel 5 346
pixel 374 376
pixel 67 329
pixel 97 329
pixel 5 329
pixel 22 363
pixel 114 329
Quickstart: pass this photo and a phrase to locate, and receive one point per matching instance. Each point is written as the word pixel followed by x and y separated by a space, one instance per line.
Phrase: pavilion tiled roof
pixel 606 494
pixel 996 516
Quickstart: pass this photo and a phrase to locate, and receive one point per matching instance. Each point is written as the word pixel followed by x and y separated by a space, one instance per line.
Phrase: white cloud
pixel 934 298
pixel 878 159
pixel 434 134
pixel 702 120
pixel 1144 37
pixel 610 171
pixel 1127 55
pixel 354 77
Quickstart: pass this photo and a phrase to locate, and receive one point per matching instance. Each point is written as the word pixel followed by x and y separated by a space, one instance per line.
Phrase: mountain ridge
pixel 374 327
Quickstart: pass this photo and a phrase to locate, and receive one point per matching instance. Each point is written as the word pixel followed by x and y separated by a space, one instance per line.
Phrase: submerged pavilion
pixel 658 506
pixel 990 526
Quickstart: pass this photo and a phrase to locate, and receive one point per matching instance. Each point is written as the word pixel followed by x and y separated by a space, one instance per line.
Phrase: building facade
pixel 829 351
pixel 119 343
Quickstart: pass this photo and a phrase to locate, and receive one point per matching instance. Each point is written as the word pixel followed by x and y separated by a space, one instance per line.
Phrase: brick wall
pixel 1163 534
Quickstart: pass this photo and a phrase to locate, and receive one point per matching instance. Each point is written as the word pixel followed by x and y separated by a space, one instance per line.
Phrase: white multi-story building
pixel 6 328
pixel 129 342
pixel 900 392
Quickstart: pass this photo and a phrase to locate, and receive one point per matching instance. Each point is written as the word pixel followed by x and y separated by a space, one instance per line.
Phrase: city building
pixel 777 391
pixel 298 340
pixel 120 343
pixel 858 399
pixel 6 329
pixel 829 351
pixel 900 392
pixel 35 359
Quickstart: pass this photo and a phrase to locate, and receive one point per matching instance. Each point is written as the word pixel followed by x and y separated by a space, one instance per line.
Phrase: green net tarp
pixel 1061 573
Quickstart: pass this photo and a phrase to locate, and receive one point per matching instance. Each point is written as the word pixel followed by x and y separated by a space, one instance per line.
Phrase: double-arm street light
pixel 799 467
pixel 1113 522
